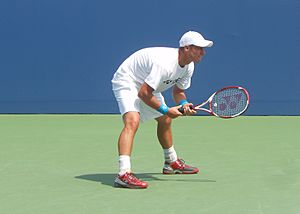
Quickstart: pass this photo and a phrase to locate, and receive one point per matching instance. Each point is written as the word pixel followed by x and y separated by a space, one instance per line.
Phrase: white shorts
pixel 128 100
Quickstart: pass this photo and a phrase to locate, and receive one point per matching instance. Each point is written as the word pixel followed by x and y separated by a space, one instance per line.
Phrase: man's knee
pixel 164 120
pixel 131 120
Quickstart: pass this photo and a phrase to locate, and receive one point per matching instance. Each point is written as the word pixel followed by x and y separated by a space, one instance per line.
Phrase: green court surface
pixel 67 163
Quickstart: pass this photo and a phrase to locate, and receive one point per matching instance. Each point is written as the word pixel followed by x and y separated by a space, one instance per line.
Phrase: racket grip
pixel 181 110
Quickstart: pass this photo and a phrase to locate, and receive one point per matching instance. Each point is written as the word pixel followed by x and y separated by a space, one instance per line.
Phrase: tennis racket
pixel 228 102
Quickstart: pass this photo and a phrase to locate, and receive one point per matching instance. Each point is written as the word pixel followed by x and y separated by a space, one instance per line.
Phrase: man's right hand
pixel 173 112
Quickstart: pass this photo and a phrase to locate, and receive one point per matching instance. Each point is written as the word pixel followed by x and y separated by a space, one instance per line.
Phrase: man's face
pixel 195 53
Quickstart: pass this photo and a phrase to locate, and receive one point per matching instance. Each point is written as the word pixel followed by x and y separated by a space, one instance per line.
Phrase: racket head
pixel 229 102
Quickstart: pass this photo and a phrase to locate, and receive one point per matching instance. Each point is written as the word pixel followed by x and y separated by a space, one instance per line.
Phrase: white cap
pixel 194 38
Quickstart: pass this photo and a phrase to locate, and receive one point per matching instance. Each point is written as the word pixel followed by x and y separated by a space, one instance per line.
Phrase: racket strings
pixel 229 102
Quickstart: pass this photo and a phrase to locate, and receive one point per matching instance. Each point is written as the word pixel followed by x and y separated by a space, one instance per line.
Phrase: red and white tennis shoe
pixel 128 180
pixel 179 167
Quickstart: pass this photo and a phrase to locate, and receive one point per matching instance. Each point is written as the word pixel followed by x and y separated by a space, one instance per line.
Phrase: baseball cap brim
pixel 204 43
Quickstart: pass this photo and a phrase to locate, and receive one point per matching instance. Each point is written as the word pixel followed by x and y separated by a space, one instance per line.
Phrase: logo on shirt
pixel 171 81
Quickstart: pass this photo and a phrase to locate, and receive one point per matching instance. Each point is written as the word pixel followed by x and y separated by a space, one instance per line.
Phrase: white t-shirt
pixel 157 66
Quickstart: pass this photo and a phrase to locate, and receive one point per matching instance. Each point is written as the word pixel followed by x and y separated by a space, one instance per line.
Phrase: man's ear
pixel 186 48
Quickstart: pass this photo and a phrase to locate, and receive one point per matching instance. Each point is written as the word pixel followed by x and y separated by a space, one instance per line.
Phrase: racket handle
pixel 181 110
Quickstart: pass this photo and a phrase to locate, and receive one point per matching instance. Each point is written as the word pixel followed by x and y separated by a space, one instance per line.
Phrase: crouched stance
pixel 137 86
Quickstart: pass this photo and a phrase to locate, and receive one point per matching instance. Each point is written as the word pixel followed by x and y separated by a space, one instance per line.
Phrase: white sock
pixel 124 164
pixel 170 154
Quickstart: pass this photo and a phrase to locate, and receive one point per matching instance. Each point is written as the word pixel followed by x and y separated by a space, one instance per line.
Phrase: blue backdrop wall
pixel 59 56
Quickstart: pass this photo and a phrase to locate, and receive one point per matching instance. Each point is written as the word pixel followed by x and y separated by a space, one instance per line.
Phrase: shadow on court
pixel 108 179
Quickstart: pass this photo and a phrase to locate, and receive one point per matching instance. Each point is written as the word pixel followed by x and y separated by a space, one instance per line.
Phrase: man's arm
pixel 178 96
pixel 146 95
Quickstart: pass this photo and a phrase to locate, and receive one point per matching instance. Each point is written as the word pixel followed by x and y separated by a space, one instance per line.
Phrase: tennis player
pixel 137 86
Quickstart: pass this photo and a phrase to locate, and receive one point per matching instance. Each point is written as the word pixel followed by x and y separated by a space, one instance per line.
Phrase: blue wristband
pixel 182 102
pixel 163 109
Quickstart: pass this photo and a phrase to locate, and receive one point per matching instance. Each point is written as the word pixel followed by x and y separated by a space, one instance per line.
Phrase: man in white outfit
pixel 137 86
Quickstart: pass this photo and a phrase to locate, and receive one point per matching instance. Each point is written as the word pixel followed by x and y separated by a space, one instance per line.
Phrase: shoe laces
pixel 181 161
pixel 132 177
